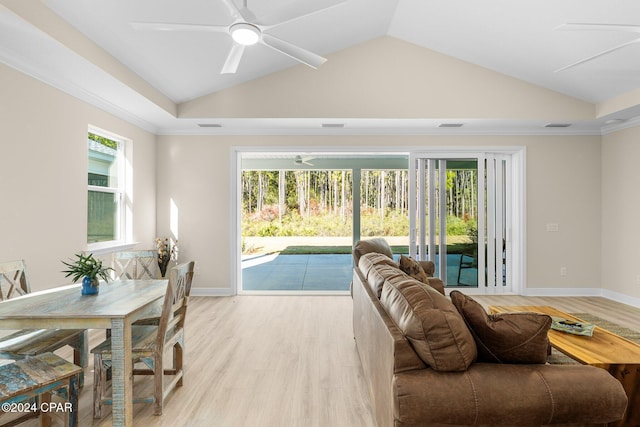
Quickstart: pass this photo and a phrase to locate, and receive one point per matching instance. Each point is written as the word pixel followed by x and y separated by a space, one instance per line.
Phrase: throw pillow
pixel 505 337
pixel 430 323
pixel 413 268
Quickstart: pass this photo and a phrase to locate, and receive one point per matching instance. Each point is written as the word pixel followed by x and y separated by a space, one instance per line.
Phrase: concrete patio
pixel 275 272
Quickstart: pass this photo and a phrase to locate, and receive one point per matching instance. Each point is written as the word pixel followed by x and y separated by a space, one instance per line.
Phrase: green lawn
pixel 454 248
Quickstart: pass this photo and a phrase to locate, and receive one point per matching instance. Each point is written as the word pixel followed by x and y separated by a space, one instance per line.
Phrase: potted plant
pixel 89 269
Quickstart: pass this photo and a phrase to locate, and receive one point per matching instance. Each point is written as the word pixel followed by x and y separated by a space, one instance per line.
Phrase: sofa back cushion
pixel 505 337
pixel 430 322
pixel 377 268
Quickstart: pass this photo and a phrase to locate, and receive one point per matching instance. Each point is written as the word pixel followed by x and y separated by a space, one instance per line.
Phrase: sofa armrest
pixel 382 347
pixel 437 284
pixel 429 267
pixel 378 245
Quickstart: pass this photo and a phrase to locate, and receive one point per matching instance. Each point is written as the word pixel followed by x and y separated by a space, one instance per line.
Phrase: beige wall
pixel 585 184
pixel 620 250
pixel 389 78
pixel 43 175
pixel 563 187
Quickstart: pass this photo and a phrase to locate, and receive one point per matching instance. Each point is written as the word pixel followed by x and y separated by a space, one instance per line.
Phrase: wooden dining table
pixel 118 304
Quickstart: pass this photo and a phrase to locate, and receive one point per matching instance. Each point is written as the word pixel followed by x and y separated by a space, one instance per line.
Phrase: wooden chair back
pixel 13 279
pixel 135 265
pixel 174 309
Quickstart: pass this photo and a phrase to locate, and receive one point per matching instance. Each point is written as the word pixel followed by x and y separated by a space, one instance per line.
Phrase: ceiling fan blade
pixel 297 10
pixel 233 9
pixel 577 26
pixel 248 15
pixel 598 55
pixel 233 59
pixel 293 51
pixel 169 26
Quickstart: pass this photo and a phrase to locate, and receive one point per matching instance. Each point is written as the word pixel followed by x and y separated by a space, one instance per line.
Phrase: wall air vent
pixel 333 125
pixel 450 125
pixel 210 125
pixel 557 125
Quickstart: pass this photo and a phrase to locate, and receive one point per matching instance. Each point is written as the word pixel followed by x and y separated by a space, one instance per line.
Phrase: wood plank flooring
pixel 284 361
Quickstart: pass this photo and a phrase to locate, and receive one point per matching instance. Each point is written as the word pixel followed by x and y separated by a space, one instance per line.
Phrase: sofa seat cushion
pixel 430 322
pixel 518 395
pixel 505 337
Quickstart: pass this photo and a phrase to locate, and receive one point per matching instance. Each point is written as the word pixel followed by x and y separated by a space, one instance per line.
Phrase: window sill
pixel 109 247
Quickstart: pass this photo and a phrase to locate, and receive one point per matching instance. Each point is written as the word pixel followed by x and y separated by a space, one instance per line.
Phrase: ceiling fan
pixel 247 29
pixel 300 160
pixel 599 27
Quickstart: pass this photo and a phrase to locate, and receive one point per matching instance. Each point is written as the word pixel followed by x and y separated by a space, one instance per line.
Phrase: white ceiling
pixel 517 38
pixel 186 65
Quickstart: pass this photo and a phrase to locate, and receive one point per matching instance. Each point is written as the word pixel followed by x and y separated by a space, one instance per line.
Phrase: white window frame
pixel 123 190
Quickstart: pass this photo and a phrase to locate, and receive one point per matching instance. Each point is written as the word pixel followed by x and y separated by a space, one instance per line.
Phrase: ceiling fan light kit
pixel 245 34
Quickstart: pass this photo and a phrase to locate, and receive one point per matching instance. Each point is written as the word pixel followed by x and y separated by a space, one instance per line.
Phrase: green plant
pixel 86 266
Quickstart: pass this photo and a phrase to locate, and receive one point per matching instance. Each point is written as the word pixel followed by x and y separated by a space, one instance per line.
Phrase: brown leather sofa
pixel 399 323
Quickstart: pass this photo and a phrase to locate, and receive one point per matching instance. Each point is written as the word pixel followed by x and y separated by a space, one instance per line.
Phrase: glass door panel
pixel 384 205
pixel 461 218
pixel 451 219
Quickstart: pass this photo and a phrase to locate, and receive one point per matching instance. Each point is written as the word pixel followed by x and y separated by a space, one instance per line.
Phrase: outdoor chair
pixel 32 342
pixel 468 259
pixel 149 344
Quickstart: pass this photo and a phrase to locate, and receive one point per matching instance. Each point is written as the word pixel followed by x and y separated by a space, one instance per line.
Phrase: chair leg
pixel 81 350
pixel 45 416
pixel 178 353
pixel 99 380
pixel 158 378
pixel 81 353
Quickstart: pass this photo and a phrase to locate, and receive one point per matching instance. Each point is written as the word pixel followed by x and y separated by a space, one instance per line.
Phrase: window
pixel 106 198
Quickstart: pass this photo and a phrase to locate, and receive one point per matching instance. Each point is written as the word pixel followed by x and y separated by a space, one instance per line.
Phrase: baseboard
pixel 618 297
pixel 583 292
pixel 538 292
pixel 212 292
pixel 563 292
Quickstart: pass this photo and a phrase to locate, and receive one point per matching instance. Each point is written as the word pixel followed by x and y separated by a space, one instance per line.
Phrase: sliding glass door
pixel 462 218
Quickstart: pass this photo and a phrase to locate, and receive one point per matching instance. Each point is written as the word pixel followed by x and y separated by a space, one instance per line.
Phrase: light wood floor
pixel 285 361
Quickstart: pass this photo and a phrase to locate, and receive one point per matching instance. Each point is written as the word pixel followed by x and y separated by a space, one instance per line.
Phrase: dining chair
pixel 32 342
pixel 149 345
pixel 129 265
pixel 136 265
pixel 13 280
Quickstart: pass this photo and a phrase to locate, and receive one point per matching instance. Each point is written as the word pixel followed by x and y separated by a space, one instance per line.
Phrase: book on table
pixel 571 326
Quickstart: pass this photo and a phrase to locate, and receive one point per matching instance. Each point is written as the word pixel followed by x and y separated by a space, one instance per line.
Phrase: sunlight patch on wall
pixel 173 219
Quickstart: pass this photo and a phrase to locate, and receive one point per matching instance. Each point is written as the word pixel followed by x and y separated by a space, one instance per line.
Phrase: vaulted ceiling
pixel 93 49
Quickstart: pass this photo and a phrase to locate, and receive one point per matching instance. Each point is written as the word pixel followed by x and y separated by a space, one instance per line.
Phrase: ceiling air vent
pixel 210 125
pixel 450 125
pixel 557 125
pixel 333 125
